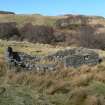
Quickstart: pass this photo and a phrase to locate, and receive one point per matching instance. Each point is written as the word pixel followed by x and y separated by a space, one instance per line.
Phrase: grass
pixel 27 47
pixel 81 86
pixel 63 87
pixel 34 19
pixel 99 87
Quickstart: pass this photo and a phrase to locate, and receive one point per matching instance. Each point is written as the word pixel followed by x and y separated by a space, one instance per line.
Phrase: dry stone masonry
pixel 74 57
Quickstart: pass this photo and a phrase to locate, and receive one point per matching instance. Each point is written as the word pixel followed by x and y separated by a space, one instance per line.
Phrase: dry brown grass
pixel 82 86
pixel 73 86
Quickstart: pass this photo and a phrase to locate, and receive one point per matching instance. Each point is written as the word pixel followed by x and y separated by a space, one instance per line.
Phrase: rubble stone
pixel 74 57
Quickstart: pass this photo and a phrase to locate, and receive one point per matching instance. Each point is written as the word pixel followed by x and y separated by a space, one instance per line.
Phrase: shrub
pixel 90 39
pixel 37 34
pixel 8 30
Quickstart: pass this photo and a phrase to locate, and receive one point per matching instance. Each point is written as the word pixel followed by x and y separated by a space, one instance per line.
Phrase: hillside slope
pixel 38 19
pixel 72 30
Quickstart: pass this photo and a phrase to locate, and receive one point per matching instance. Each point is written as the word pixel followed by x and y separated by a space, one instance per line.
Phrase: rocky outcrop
pixel 72 21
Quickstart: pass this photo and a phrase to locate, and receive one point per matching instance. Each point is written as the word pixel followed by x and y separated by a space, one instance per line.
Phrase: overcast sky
pixel 55 7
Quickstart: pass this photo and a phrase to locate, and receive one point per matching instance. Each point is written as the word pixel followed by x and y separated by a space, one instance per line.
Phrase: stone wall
pixel 74 57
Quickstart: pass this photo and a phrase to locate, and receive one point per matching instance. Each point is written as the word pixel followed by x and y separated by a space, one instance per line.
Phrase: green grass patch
pixel 97 88
pixel 1 50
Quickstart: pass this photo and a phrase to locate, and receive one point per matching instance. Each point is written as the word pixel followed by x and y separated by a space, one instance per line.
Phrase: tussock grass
pixel 63 87
pixel 80 86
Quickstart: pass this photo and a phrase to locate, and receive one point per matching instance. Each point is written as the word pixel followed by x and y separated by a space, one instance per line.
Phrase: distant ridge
pixel 6 12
